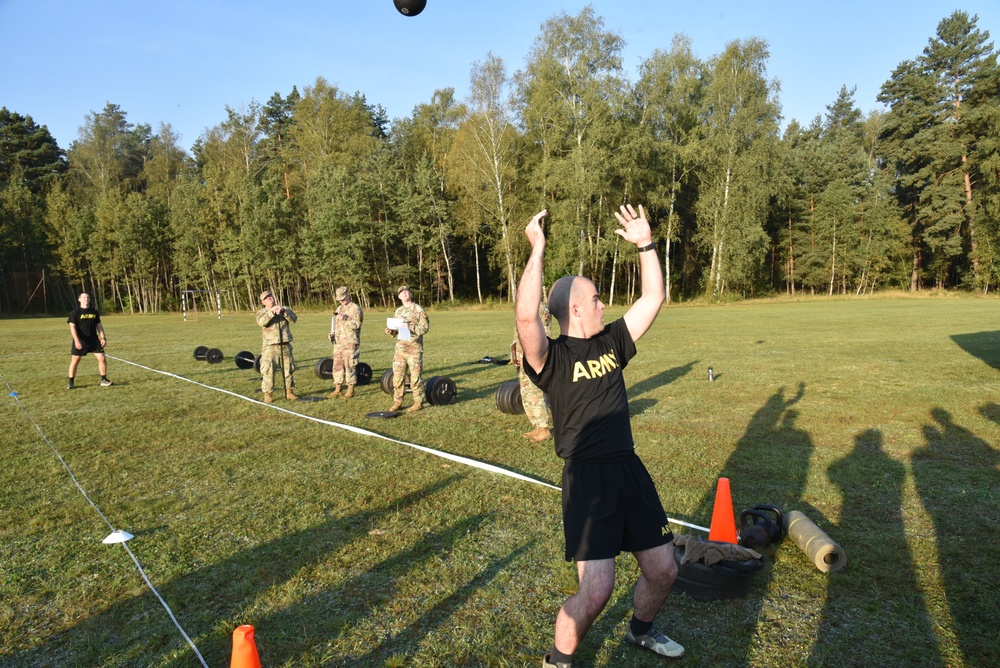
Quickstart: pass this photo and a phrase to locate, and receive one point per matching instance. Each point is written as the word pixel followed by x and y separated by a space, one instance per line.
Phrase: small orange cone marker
pixel 723 527
pixel 244 648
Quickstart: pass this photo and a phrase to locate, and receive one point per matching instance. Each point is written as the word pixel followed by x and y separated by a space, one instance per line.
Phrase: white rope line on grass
pixel 13 394
pixel 357 430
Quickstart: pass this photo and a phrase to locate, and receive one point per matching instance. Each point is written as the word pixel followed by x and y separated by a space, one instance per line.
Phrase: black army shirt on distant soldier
pixel 86 321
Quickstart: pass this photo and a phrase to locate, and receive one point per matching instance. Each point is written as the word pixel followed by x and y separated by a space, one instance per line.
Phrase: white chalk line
pixel 357 430
pixel 14 395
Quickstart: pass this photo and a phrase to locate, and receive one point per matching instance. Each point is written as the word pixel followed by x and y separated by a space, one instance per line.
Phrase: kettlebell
pixel 760 526
pixel 755 529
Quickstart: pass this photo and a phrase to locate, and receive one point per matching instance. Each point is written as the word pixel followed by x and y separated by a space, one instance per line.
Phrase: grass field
pixel 879 419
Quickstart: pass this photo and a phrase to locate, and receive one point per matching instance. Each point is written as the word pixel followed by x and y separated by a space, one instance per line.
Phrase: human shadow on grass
pixel 984 345
pixel 878 597
pixel 208 602
pixel 957 480
pixel 659 380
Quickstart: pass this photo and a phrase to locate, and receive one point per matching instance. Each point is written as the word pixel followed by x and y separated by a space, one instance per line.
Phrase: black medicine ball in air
pixel 410 7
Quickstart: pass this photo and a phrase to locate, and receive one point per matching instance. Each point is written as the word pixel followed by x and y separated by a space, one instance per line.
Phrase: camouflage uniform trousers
pixel 536 404
pixel 270 357
pixel 345 363
pixel 408 357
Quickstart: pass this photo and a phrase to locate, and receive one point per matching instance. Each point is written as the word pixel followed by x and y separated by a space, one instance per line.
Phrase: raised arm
pixel 635 229
pixel 530 331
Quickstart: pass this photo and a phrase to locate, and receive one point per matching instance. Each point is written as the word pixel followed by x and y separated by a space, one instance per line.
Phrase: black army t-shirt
pixel 586 390
pixel 86 320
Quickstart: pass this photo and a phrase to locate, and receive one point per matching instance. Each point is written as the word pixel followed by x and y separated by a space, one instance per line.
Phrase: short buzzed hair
pixel 560 296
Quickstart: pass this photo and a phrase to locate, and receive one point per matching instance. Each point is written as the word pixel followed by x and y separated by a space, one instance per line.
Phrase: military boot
pixel 268 398
pixel 335 393
pixel 395 405
pixel 415 407
pixel 350 392
pixel 290 395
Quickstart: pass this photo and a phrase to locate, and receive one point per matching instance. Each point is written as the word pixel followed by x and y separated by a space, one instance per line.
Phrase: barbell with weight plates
pixel 324 370
pixel 200 352
pixel 213 356
pixel 439 390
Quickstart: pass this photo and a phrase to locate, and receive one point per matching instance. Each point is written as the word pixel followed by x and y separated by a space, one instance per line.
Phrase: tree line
pixel 317 188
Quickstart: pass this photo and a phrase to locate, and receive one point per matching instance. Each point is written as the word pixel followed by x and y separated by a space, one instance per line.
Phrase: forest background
pixel 317 188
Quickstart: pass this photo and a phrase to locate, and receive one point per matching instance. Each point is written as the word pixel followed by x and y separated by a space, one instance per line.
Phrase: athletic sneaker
pixel 105 383
pixel 655 641
pixel 71 386
pixel 549 664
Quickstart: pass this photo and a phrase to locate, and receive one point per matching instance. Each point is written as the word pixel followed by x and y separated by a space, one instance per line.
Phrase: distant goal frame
pixel 184 298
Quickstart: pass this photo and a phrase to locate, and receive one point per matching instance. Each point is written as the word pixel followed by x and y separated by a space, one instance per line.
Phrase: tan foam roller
pixel 820 548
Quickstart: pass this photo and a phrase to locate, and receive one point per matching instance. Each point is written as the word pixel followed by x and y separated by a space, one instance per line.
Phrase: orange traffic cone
pixel 244 648
pixel 723 527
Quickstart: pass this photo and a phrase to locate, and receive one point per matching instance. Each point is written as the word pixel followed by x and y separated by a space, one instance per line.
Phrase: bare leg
pixel 102 363
pixel 597 580
pixel 74 362
pixel 659 571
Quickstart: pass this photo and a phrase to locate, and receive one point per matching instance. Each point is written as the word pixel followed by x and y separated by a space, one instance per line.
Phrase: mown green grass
pixel 877 418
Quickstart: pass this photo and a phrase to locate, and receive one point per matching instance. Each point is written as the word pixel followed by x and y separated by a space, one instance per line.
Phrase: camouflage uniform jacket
pixel 515 345
pixel 416 317
pixel 347 332
pixel 276 331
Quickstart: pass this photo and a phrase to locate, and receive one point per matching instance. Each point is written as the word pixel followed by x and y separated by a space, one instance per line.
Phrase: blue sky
pixel 182 62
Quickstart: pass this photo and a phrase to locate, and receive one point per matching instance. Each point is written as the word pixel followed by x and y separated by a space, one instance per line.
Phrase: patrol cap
pixel 342 292
pixel 404 286
pixel 264 295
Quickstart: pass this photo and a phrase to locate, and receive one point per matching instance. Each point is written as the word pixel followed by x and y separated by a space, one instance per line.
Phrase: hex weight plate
pixel 245 359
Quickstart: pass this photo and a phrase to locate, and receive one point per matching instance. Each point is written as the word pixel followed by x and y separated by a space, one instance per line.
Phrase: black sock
pixel 71 380
pixel 559 657
pixel 639 627
pixel 104 377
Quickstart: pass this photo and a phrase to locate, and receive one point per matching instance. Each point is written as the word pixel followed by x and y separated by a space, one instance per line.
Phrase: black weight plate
pixel 386 382
pixel 245 359
pixel 383 414
pixel 440 390
pixel 199 353
pixel 324 368
pixel 364 373
pixel 256 363
pixel 509 398
pixel 213 356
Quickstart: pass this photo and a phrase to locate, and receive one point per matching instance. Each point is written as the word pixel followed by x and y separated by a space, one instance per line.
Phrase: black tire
pixel 324 368
pixel 364 373
pixel 726 579
pixel 509 398
pixel 245 359
pixel 440 390
pixel 200 352
pixel 214 356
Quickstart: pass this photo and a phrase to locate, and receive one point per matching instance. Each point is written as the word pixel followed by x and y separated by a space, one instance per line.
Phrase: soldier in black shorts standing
pixel 610 504
pixel 88 337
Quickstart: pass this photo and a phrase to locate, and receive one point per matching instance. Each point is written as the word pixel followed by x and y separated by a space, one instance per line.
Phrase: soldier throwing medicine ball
pixel 409 350
pixel 277 345
pixel 345 335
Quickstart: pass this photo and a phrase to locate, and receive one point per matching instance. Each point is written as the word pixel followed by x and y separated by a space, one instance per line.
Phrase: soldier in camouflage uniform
pixel 277 345
pixel 536 404
pixel 345 335
pixel 409 354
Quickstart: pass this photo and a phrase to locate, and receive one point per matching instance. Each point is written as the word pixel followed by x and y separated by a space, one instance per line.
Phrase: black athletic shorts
pixel 610 508
pixel 91 345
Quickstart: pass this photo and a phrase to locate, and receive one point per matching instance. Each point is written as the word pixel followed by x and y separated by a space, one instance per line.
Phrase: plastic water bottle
pixel 711 374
